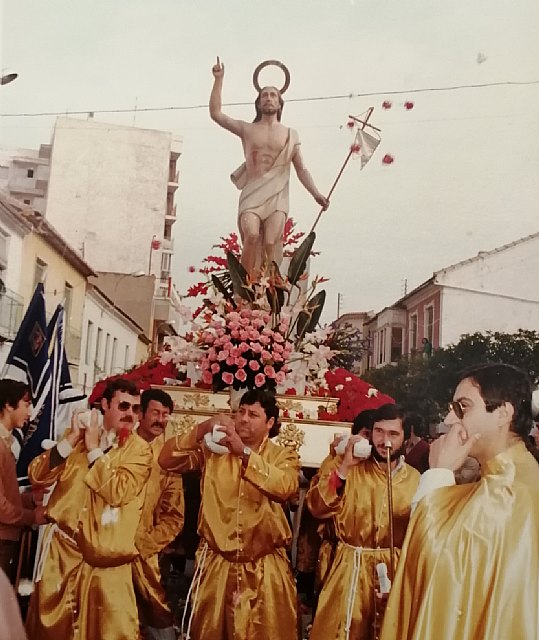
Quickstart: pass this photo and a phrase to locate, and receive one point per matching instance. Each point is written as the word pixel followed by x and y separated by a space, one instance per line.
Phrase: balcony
pixel 173 181
pixel 170 215
pixel 11 305
pixel 26 186
pixel 168 245
pixel 166 302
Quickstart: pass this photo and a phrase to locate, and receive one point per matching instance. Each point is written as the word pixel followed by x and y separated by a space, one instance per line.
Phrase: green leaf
pixel 222 288
pixel 298 262
pixel 309 317
pixel 240 278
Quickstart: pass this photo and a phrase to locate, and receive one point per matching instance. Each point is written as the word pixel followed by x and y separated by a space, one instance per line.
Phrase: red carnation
pixel 355 148
pixel 408 105
pixel 350 124
pixel 386 104
pixel 192 269
pixel 388 159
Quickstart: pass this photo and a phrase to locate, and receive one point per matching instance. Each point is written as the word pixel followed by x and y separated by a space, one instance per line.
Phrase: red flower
pixel 386 104
pixel 408 105
pixel 388 159
pixel 192 269
pixel 355 148
pixel 350 124
pixel 123 434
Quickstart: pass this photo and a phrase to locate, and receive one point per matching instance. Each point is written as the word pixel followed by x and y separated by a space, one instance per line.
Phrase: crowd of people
pixel 463 536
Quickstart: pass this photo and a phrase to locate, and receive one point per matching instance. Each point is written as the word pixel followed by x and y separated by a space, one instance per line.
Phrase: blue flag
pixel 30 354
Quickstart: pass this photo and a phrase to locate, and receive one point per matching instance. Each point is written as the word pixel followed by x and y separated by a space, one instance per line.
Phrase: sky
pixel 466 161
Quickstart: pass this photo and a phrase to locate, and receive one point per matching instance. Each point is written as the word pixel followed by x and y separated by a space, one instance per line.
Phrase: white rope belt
pixel 45 549
pixel 352 588
pixel 195 585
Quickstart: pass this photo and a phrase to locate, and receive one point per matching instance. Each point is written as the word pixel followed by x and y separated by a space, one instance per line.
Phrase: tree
pixel 426 385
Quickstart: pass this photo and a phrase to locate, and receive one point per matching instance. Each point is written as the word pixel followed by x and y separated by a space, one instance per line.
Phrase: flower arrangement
pixel 245 351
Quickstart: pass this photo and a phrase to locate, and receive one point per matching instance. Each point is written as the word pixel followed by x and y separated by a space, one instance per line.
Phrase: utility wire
pixel 241 104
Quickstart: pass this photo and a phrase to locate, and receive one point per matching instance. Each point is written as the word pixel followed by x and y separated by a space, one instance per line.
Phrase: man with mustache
pixel 84 587
pixel 161 521
pixel 353 493
pixel 269 148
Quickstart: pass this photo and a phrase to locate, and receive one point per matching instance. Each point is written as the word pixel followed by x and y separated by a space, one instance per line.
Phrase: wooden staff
pixel 389 447
pixel 364 123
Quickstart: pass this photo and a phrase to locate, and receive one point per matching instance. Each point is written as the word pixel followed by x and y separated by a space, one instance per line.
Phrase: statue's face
pixel 269 100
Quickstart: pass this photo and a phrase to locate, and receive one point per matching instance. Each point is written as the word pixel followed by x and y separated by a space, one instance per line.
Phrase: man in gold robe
pixel 470 563
pixel 84 586
pixel 243 586
pixel 161 521
pixel 353 493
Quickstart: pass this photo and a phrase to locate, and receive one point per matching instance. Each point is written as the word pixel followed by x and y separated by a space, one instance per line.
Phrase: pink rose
pixel 235 333
pixel 230 361
pixel 222 355
pixel 227 377
pixel 254 334
pixel 269 371
pixel 215 368
pixel 280 377
pixel 233 315
pixel 266 317
pixel 241 375
pixel 234 352
pixel 244 347
pixel 241 362
pixel 267 331
pixel 207 377
pixel 277 357
pixel 234 325
pixel 245 322
pixel 266 355
pixel 278 348
pixel 254 365
pixel 244 335
pixel 260 380
pixel 256 347
pixel 278 337
pixel 264 340
pixel 245 313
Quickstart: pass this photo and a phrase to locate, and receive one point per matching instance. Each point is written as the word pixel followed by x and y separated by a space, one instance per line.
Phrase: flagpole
pixel 364 123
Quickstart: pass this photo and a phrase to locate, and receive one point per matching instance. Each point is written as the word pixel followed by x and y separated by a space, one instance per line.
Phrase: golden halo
pixel 274 63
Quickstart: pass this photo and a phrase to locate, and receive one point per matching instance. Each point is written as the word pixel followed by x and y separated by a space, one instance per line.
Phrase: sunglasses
pixel 125 406
pixel 456 407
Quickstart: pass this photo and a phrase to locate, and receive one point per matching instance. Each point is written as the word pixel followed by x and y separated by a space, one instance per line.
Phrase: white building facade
pixel 24 175
pixel 109 340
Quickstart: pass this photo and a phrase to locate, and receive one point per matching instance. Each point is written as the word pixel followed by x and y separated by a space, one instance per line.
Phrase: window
pixel 4 236
pixel 106 362
pixel 68 302
pixel 165 263
pixel 396 343
pixel 127 362
pixel 413 333
pixel 98 346
pixel 30 173
pixel 429 323
pixel 40 272
pixel 89 337
pixel 27 201
pixel 382 347
pixel 114 354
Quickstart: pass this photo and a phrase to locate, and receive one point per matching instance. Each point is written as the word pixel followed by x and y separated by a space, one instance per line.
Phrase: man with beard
pixel 269 148
pixel 161 521
pixel 353 492
pixel 243 586
pixel 84 587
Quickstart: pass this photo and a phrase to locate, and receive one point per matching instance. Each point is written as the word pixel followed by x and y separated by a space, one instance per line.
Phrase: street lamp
pixel 8 77
pixel 155 341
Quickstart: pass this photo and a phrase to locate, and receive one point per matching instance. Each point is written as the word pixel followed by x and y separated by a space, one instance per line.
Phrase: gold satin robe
pixel 470 563
pixel 246 589
pixel 86 591
pixel 361 520
pixel 161 521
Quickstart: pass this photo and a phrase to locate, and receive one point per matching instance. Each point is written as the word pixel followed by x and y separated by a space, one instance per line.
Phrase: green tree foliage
pixel 427 384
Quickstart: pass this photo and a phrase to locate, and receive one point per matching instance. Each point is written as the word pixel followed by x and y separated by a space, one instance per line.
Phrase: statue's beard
pixel 269 110
pixel 395 455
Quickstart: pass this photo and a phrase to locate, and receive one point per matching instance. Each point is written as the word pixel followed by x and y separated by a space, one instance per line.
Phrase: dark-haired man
pixel 270 148
pixel 470 563
pixel 417 450
pixel 161 520
pixel 84 587
pixel 243 586
pixel 353 492
pixel 16 511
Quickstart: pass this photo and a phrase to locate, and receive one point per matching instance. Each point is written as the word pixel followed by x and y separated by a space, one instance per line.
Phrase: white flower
pixel 372 393
pixel 185 313
pixel 339 387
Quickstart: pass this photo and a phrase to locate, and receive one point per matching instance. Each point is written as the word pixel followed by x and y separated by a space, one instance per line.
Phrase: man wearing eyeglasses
pixel 470 563
pixel 84 587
